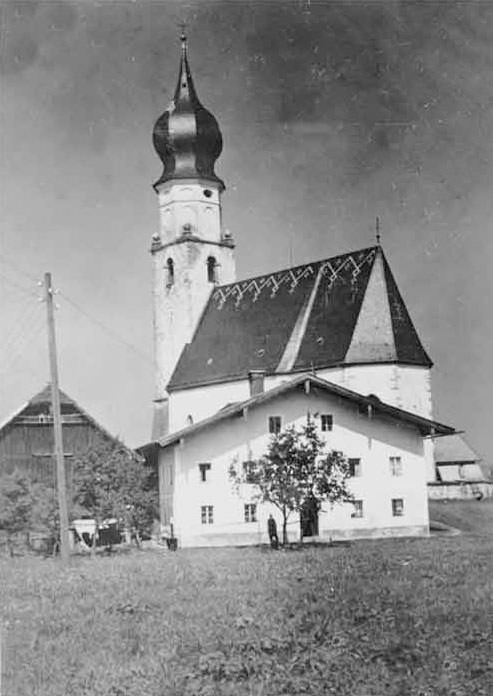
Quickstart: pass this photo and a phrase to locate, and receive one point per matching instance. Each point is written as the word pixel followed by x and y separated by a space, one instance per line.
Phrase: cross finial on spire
pixel 377 229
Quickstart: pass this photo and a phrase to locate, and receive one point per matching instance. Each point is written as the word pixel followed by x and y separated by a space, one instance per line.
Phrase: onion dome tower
pixel 187 136
pixel 191 251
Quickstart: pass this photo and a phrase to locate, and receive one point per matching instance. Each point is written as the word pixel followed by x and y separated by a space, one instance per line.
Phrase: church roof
pixel 370 404
pixel 342 310
pixel 453 448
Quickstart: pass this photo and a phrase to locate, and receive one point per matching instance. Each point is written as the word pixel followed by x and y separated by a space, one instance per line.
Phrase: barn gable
pixel 27 439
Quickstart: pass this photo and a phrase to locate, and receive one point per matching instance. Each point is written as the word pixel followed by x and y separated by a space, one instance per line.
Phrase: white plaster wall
pixel 399 385
pixel 404 386
pixel 194 202
pixel 178 307
pixel 202 402
pixel 238 439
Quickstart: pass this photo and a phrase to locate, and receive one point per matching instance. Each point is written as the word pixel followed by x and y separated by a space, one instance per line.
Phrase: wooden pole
pixel 57 423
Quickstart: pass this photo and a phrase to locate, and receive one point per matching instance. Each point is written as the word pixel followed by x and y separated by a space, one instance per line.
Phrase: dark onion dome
pixel 187 136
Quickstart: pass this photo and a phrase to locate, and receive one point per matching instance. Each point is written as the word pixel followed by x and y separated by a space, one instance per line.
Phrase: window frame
pixel 358 509
pixel 247 467
pixel 204 467
pixel 250 513
pixel 355 462
pixel 395 471
pixel 396 511
pixel 275 425
pixel 326 422
pixel 207 514
pixel 170 272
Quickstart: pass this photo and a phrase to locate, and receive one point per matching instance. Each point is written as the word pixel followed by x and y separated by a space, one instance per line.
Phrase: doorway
pixel 309 518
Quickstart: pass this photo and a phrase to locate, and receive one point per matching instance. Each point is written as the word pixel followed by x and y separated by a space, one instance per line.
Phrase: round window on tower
pixel 208 193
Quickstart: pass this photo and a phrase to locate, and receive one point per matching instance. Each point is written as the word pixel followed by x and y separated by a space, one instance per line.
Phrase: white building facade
pixel 384 445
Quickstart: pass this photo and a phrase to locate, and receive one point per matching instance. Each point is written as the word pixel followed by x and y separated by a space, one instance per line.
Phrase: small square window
pixel 204 468
pixel 249 471
pixel 250 512
pixel 395 466
pixel 358 508
pixel 274 424
pixel 397 507
pixel 354 467
pixel 207 514
pixel 326 421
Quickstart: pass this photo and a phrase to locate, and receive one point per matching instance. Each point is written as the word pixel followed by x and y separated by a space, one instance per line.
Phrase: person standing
pixel 272 531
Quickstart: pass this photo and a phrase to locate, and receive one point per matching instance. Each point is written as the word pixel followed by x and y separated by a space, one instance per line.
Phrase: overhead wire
pixel 7 262
pixel 107 329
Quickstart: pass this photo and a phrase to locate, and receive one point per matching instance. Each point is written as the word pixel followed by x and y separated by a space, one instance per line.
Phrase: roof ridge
pixel 344 392
pixel 301 265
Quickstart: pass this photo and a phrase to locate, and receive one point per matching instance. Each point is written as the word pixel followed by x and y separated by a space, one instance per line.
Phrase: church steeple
pixel 192 253
pixel 186 136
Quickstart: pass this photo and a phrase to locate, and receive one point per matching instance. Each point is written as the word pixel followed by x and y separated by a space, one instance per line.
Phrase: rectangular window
pixel 204 468
pixel 274 424
pixel 397 507
pixel 354 467
pixel 207 514
pixel 249 471
pixel 326 421
pixel 395 466
pixel 358 508
pixel 250 512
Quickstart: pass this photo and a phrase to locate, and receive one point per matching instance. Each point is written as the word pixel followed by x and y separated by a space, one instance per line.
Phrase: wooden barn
pixel 27 439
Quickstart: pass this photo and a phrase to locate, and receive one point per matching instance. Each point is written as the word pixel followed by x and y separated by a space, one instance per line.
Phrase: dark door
pixel 309 518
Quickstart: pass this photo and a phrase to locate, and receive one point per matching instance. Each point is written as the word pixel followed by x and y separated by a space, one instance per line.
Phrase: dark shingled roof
pixel 310 316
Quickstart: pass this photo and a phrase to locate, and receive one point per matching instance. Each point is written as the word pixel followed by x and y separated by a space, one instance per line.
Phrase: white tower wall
pixel 191 254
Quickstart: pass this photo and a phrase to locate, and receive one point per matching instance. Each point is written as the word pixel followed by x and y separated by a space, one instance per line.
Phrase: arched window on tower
pixel 170 273
pixel 211 269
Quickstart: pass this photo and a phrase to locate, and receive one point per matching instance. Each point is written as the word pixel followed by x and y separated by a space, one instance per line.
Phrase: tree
pixel 109 481
pixel 15 506
pixel 297 469
pixel 44 515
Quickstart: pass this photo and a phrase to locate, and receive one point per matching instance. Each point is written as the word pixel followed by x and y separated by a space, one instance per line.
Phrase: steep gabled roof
pixel 342 310
pixel 67 405
pixel 371 403
pixel 453 448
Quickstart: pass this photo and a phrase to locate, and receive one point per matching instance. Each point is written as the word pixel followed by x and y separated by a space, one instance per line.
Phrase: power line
pixel 16 269
pixel 20 288
pixel 108 330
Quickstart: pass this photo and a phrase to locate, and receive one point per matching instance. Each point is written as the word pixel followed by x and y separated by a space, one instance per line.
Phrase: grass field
pixel 386 618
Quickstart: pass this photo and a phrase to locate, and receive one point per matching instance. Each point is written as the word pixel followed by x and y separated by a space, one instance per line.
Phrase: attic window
pixel 204 468
pixel 211 269
pixel 326 421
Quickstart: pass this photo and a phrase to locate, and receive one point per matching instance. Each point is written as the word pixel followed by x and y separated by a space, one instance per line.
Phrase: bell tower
pixel 191 252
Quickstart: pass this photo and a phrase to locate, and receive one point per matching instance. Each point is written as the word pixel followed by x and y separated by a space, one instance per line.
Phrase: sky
pixel 331 113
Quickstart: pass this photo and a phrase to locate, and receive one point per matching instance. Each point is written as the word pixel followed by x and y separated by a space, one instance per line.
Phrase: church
pixel 237 360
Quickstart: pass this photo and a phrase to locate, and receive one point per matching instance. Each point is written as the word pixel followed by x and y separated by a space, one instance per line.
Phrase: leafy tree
pixel 109 481
pixel 44 514
pixel 297 469
pixel 15 506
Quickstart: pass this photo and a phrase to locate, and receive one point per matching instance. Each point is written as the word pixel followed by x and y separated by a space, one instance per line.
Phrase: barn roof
pixel 67 404
pixel 342 310
pixel 372 404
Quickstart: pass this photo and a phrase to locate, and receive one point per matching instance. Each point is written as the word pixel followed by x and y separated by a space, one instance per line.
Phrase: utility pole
pixel 57 423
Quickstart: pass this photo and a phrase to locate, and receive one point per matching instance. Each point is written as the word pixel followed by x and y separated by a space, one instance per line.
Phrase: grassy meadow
pixel 379 618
